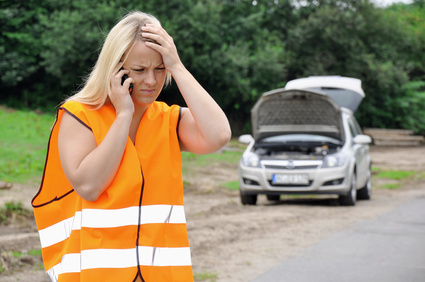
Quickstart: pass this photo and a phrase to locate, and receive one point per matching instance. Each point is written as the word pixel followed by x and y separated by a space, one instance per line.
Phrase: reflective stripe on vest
pixel 110 218
pixel 150 256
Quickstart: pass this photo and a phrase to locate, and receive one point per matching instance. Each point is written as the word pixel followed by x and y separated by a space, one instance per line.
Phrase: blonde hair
pixel 117 46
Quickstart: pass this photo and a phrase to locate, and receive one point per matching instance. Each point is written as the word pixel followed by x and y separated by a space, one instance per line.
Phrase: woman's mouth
pixel 148 91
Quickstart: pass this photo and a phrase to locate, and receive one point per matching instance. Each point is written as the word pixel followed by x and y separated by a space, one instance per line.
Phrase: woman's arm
pixel 91 168
pixel 204 127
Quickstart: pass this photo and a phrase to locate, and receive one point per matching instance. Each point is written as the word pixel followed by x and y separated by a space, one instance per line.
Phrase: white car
pixel 306 141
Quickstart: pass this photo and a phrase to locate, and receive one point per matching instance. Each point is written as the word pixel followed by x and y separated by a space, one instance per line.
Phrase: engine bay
pixel 300 151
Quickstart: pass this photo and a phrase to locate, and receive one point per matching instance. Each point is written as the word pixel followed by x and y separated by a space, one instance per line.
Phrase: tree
pixel 412 107
pixel 237 49
pixel 356 41
pixel 410 19
pixel 20 46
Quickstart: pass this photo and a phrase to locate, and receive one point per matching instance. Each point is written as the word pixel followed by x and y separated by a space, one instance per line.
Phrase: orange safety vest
pixel 137 227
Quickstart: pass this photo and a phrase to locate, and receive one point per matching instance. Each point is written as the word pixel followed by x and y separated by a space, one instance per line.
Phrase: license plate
pixel 290 179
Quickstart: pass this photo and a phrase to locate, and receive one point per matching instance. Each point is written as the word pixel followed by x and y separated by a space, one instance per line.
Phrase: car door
pixel 361 152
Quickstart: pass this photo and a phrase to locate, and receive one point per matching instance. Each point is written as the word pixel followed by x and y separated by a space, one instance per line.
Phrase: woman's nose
pixel 150 78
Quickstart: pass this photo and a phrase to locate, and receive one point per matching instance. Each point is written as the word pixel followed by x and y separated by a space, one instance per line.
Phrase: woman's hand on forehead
pixel 164 45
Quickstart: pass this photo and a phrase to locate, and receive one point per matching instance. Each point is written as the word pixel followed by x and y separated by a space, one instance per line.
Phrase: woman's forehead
pixel 141 55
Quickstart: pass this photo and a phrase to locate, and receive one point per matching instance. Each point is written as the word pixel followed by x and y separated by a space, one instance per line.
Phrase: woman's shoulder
pixel 160 110
pixel 86 112
pixel 163 107
pixel 74 105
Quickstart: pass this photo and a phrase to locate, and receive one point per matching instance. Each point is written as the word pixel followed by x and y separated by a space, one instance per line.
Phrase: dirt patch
pixel 231 242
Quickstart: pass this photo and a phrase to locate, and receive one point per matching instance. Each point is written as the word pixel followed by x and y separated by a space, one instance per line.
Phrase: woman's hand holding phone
pixel 120 90
pixel 124 77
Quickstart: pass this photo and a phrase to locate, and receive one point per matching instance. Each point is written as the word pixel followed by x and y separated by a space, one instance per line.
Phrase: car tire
pixel 349 199
pixel 365 193
pixel 248 199
pixel 273 198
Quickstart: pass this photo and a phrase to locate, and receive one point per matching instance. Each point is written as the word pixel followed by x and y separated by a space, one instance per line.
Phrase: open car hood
pixel 345 91
pixel 283 111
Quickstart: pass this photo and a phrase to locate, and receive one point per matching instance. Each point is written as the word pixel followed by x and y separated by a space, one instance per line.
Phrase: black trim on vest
pixel 53 200
pixel 74 116
pixel 44 174
pixel 139 272
pixel 178 123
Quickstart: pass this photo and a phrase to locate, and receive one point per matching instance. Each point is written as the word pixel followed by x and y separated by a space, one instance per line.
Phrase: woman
pixel 110 206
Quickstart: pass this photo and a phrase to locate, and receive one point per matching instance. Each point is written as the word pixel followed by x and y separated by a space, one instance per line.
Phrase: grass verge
pixel 398 176
pixel 205 276
pixel 23 145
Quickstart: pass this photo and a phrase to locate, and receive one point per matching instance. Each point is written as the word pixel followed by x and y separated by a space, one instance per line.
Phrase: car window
pixel 356 124
pixel 354 130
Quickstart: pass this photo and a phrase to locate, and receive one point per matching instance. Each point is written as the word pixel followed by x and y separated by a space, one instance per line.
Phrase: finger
pixel 152 28
pixel 121 72
pixel 152 37
pixel 155 33
pixel 127 84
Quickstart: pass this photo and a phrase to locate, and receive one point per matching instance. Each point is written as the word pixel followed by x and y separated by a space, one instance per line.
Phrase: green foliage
pixel 233 185
pixel 205 276
pixel 411 107
pixel 397 177
pixel 396 174
pixel 228 157
pixel 391 186
pixel 34 252
pixel 410 17
pixel 64 56
pixel 236 49
pixel 23 144
pixel 228 49
pixel 357 41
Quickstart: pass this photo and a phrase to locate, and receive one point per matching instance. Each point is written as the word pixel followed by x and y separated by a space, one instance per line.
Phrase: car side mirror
pixel 246 139
pixel 362 139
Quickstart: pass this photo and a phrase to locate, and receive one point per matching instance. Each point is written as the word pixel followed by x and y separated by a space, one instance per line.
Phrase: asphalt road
pixel 389 248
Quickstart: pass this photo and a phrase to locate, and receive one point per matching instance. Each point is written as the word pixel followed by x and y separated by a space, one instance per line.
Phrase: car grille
pixel 295 167
pixel 291 164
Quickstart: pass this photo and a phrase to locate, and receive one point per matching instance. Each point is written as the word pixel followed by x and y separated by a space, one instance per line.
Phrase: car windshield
pixel 297 139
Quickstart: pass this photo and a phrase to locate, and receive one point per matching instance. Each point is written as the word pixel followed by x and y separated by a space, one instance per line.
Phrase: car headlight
pixel 335 160
pixel 251 159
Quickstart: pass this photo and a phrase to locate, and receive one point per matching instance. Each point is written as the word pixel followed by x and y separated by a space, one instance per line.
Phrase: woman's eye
pixel 139 70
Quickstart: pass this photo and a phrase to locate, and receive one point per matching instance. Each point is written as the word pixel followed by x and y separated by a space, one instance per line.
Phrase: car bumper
pixel 321 181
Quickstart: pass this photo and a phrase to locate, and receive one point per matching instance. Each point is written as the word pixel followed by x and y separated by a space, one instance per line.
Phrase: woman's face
pixel 148 72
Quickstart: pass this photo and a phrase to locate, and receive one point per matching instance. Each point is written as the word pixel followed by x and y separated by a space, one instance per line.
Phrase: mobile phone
pixel 124 77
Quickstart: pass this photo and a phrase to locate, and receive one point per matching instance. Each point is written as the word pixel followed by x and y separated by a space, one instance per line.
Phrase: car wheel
pixel 274 198
pixel 365 193
pixel 248 199
pixel 350 198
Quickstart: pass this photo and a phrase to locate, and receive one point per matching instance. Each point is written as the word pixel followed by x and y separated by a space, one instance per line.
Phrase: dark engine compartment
pixel 296 151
